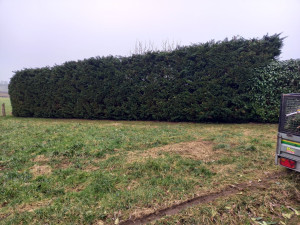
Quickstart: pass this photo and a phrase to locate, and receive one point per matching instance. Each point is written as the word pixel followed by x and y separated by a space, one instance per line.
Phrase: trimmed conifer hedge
pixel 201 83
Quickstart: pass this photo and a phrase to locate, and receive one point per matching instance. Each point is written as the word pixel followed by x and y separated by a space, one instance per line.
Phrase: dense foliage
pixel 204 82
pixel 269 83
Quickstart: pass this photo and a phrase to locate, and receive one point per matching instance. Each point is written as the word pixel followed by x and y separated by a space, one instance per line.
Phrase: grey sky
pixel 37 33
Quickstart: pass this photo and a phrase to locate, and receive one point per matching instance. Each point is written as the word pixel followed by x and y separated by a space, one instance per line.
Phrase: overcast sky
pixel 37 33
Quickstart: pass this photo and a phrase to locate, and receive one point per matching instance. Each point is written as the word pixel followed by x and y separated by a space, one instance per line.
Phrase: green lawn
pixel 100 172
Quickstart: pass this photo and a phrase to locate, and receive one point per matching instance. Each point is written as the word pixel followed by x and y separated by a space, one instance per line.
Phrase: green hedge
pixel 203 82
pixel 269 83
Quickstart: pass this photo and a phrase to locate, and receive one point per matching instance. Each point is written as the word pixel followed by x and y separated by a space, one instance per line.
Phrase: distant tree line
pixel 4 86
pixel 210 82
pixel 3 82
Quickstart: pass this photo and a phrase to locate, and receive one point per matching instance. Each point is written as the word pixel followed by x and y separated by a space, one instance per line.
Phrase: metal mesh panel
pixel 290 115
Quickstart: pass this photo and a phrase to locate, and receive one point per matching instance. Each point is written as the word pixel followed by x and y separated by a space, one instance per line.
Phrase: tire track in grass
pixel 229 190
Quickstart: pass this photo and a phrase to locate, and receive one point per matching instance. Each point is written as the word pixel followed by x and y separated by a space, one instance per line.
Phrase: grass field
pixel 6 101
pixel 108 172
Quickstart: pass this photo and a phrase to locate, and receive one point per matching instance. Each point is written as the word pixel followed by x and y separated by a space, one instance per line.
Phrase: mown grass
pixel 83 172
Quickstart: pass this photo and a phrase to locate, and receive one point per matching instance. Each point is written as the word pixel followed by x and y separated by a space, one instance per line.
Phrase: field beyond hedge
pixel 108 172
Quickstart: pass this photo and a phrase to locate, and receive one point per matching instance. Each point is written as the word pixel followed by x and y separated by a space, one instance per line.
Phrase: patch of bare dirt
pixel 199 150
pixel 223 169
pixel 38 170
pixel 96 160
pixel 247 132
pixel 116 124
pixel 90 168
pixel 41 159
pixel 77 188
pixel 2 166
pixel 134 184
pixel 30 207
pixel 143 217
pixel 27 207
pixel 63 165
pixel 140 212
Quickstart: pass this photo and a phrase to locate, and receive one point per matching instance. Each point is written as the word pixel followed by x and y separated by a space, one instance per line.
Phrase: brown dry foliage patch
pixel 198 150
pixel 38 170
